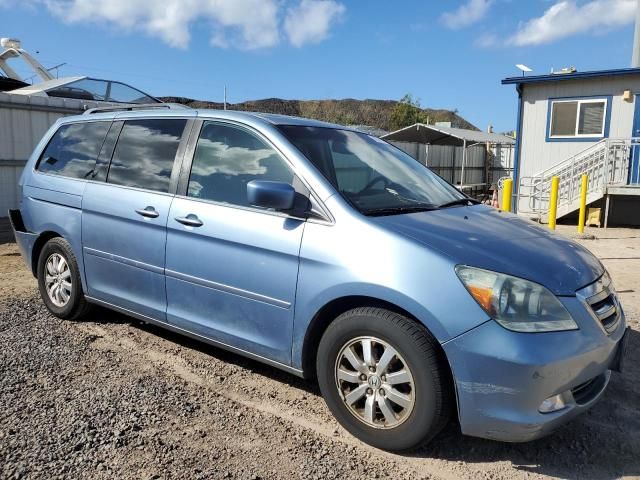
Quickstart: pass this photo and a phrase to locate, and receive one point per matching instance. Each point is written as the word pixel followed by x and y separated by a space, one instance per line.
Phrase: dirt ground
pixel 109 397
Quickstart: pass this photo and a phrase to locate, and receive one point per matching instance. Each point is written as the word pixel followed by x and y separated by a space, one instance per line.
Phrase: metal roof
pixel 430 134
pixel 557 77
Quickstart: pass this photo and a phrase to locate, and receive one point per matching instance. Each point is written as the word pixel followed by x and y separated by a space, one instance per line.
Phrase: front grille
pixel 600 298
pixel 606 311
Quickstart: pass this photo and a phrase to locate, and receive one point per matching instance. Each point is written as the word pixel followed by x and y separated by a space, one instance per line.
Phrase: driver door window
pixel 227 158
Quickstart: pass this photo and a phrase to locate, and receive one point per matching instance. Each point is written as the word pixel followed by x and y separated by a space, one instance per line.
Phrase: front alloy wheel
pixel 375 382
pixel 385 378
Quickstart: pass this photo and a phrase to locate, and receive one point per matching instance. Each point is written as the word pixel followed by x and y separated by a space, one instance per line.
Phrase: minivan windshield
pixel 375 177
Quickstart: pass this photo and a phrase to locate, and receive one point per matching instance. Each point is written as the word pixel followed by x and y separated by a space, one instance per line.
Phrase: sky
pixel 447 53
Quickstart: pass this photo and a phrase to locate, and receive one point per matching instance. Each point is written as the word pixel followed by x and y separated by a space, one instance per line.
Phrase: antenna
pixel 523 68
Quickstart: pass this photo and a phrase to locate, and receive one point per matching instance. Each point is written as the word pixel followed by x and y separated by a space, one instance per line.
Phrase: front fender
pixel 358 259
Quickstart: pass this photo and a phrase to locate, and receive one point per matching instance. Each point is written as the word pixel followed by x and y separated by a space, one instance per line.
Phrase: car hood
pixel 484 237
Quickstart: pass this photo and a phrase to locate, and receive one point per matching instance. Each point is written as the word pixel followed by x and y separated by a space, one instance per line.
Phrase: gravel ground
pixel 110 397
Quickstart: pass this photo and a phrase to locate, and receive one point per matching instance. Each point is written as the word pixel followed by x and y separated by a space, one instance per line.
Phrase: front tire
pixel 384 379
pixel 59 280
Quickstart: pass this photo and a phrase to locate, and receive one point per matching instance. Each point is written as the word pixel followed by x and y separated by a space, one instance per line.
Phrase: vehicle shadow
pixel 602 444
pixel 104 316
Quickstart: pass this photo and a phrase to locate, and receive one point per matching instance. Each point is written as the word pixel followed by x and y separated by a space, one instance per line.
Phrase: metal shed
pixel 469 158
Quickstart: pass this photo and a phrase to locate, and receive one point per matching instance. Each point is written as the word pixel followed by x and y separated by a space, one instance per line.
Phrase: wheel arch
pixel 38 245
pixel 333 309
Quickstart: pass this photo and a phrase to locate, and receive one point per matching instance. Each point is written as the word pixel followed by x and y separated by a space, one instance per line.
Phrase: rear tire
pixel 384 379
pixel 59 281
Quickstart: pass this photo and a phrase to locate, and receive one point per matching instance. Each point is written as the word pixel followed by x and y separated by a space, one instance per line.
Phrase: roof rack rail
pixel 140 106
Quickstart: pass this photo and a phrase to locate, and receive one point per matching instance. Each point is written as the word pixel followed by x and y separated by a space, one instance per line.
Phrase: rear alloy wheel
pixel 59 280
pixel 384 378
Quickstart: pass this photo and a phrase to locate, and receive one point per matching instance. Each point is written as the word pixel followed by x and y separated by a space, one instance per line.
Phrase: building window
pixel 578 118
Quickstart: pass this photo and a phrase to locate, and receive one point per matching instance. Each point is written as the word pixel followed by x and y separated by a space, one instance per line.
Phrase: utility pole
pixel 225 97
pixel 635 59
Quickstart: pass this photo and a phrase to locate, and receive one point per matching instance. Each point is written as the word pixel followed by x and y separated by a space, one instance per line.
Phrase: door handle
pixel 148 212
pixel 190 220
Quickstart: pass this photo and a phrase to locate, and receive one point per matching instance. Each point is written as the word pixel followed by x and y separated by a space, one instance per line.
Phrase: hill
pixel 375 113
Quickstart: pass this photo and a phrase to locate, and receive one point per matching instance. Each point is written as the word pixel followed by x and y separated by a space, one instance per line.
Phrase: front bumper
pixel 502 377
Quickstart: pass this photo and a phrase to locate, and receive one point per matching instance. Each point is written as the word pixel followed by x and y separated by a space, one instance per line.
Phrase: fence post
pixel 464 160
pixel 507 189
pixel 553 202
pixel 583 203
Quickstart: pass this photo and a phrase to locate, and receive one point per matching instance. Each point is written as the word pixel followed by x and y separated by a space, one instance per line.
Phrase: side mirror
pixel 268 194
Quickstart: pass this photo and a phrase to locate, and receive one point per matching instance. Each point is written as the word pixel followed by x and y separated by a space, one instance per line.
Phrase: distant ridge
pixel 374 113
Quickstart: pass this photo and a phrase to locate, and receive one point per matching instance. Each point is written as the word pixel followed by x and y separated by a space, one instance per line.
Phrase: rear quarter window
pixel 73 149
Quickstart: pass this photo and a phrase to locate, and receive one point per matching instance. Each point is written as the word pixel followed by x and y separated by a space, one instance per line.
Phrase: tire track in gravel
pixel 279 395
pixel 75 402
pixel 179 366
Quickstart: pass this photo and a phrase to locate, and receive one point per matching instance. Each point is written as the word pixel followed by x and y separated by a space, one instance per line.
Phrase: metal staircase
pixel 606 163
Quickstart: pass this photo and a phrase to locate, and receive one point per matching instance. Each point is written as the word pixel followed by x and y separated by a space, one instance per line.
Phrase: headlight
pixel 516 304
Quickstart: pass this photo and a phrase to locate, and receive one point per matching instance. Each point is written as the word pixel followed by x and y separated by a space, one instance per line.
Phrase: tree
pixel 406 112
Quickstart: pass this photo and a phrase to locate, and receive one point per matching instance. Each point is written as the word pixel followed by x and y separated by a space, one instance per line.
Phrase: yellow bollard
pixel 507 188
pixel 553 202
pixel 583 203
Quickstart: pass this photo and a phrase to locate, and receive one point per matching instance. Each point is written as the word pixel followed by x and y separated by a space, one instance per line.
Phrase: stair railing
pixel 605 162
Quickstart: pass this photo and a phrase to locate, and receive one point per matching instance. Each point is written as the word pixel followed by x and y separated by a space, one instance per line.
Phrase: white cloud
pixel 487 40
pixel 311 20
pixel 471 12
pixel 248 24
pixel 244 24
pixel 567 18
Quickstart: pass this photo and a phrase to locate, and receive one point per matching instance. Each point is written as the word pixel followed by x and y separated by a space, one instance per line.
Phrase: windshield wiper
pixel 398 210
pixel 460 201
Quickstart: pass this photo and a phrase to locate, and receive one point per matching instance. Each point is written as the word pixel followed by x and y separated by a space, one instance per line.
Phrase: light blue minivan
pixel 327 253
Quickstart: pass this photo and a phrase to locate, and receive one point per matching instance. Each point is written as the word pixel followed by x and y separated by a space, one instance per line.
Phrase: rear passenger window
pixel 73 150
pixel 145 153
pixel 227 158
